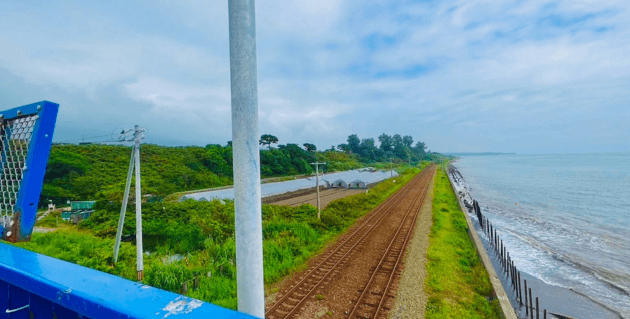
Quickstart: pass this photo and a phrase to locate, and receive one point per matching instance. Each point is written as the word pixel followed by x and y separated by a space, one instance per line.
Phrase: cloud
pixel 528 76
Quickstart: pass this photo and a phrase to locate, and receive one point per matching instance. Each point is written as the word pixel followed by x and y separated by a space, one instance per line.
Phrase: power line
pixel 86 138
pixel 124 136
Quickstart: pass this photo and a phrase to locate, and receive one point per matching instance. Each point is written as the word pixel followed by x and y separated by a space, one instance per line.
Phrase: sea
pixel 565 218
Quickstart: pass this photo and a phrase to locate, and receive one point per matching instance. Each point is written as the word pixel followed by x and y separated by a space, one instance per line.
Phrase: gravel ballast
pixel 411 300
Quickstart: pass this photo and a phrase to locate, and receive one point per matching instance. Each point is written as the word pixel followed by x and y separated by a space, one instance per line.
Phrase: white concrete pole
pixel 123 209
pixel 247 200
pixel 139 261
pixel 391 168
pixel 319 211
pixel 317 185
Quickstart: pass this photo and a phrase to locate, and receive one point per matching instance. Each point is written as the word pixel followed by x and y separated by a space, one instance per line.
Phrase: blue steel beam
pixel 37 286
pixel 35 166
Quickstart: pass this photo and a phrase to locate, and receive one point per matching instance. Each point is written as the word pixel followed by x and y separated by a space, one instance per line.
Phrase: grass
pixel 201 234
pixel 458 285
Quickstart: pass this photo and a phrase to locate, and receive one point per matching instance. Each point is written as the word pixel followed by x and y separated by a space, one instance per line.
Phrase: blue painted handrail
pixel 37 286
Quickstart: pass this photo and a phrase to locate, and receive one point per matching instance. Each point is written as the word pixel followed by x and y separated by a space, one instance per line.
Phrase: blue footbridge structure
pixel 35 286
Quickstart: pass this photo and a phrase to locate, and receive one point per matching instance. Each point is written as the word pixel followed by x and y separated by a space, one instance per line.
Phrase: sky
pixel 522 76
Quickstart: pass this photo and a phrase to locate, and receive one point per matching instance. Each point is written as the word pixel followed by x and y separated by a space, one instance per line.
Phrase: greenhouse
pixel 357 184
pixel 340 183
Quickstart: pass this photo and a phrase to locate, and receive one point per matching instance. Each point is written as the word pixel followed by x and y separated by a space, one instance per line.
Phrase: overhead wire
pixel 112 140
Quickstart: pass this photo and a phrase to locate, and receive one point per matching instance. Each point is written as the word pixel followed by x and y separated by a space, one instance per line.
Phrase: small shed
pixel 340 183
pixel 82 205
pixel 357 184
pixel 65 215
pixel 80 210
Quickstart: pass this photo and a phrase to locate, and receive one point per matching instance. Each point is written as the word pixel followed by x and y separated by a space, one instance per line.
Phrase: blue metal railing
pixel 37 286
pixel 29 126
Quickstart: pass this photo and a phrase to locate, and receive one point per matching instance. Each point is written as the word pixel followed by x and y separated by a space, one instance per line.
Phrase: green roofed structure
pixel 82 205
pixel 80 210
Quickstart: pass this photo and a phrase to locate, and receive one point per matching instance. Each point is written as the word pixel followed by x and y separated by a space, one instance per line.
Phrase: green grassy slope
pixel 202 235
pixel 458 285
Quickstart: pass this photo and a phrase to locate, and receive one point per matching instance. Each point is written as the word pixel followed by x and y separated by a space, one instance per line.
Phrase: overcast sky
pixel 510 76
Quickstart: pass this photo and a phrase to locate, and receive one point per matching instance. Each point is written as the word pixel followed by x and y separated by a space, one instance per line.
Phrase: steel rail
pixel 389 249
pixel 411 230
pixel 378 214
pixel 350 250
pixel 397 197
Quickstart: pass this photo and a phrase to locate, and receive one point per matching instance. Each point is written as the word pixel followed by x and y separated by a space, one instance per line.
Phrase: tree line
pixel 390 147
pixel 98 172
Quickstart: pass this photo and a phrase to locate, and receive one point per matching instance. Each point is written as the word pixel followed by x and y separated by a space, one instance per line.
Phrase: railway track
pixel 322 274
pixel 374 297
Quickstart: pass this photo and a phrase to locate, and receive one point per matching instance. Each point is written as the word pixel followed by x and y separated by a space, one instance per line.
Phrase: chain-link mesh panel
pixel 15 135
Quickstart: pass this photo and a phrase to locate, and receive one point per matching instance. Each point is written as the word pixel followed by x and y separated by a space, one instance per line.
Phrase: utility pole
pixel 391 169
pixel 317 185
pixel 245 136
pixel 139 259
pixel 138 134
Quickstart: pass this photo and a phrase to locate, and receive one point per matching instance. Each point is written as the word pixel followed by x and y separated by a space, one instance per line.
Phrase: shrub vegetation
pixel 195 239
pixel 98 172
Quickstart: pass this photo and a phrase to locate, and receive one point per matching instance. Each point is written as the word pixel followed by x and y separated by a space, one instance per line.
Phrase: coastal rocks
pixel 461 187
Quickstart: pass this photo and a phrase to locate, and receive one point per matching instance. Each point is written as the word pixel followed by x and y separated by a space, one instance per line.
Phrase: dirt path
pixel 325 197
pixel 411 300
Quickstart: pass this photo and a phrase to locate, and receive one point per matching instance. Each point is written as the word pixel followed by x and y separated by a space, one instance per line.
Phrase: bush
pixel 203 234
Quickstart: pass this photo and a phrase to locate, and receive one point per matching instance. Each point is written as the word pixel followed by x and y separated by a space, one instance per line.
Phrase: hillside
pixel 98 171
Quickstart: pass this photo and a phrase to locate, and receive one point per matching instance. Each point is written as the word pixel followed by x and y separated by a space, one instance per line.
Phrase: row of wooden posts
pixel 195 282
pixel 509 269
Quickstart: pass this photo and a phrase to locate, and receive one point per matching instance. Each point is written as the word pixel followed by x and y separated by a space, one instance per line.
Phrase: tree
pixel 62 164
pixel 310 147
pixel 344 148
pixel 367 148
pixel 268 139
pixel 386 142
pixel 396 140
pixel 407 141
pixel 354 143
pixel 419 148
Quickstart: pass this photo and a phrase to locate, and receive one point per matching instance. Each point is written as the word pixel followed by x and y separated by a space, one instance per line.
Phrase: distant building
pixel 79 211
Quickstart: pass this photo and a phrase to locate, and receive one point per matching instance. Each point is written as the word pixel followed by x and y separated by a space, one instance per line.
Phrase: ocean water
pixel 564 218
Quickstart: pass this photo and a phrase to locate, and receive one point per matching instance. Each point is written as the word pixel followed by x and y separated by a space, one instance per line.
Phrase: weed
pixel 458 285
pixel 194 239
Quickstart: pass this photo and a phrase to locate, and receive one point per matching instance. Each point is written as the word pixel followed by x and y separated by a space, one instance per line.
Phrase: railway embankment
pixel 411 299
pixel 357 275
pixel 457 285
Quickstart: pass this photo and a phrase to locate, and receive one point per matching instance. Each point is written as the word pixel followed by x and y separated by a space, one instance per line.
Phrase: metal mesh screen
pixel 15 137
